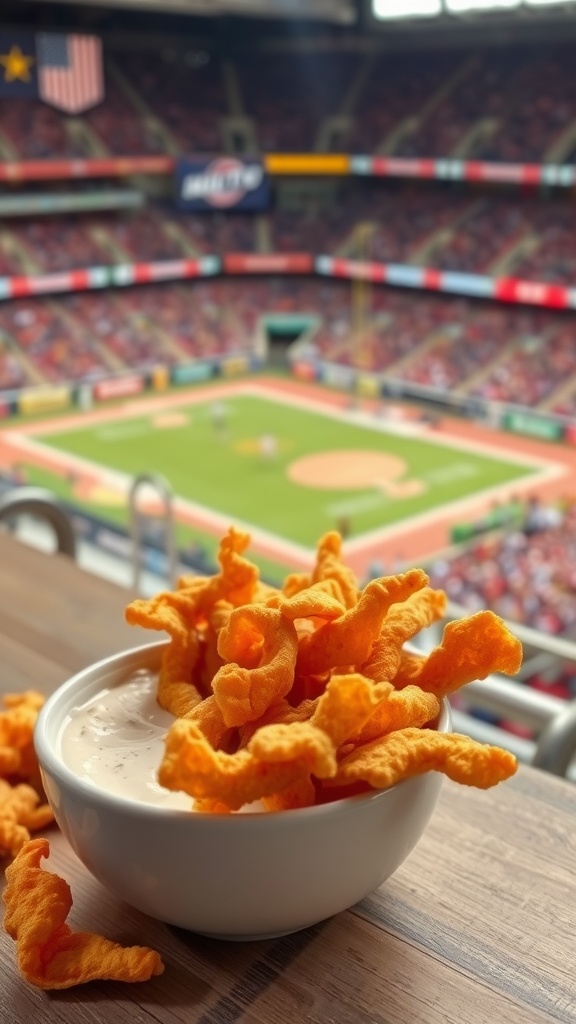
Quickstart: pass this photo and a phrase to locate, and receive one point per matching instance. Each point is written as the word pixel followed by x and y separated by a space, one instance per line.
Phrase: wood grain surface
pixel 56 619
pixel 478 926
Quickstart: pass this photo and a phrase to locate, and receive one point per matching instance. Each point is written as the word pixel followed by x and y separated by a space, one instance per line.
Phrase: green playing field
pixel 323 467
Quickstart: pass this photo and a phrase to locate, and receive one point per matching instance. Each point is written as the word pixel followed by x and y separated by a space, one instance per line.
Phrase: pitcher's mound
pixel 168 420
pixel 351 470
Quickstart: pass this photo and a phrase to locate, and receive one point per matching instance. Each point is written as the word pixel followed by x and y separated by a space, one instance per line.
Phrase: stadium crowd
pixel 515 105
pixel 494 233
pixel 525 572
pixel 86 336
pixel 488 351
pixel 49 346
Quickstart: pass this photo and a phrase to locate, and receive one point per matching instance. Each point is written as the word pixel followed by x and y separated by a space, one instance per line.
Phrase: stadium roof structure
pixel 343 12
pixel 351 25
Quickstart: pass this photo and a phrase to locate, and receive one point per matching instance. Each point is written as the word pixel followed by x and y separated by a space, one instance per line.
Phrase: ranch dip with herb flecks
pixel 116 741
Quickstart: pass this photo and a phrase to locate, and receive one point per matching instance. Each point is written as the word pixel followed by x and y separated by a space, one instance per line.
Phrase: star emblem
pixel 16 65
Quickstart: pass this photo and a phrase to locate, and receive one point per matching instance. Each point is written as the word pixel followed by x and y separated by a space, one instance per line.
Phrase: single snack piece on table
pixel 50 954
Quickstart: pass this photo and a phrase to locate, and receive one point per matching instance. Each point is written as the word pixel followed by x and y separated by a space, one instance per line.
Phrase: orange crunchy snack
pixel 21 808
pixel 21 812
pixel 286 695
pixel 17 721
pixel 50 954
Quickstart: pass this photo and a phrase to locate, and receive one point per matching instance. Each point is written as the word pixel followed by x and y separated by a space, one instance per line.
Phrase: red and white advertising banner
pixel 118 387
pixel 400 275
pixel 554 175
pixel 105 167
pixel 563 175
pixel 268 263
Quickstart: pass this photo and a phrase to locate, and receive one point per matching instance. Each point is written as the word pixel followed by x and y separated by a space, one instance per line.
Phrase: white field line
pixel 121 482
pixel 416 431
pixel 549 469
pixel 142 407
pixel 130 409
pixel 453 509
pixel 545 469
pixel 112 478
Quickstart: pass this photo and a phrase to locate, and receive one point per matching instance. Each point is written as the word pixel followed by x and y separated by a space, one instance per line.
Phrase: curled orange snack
pixel 346 704
pixel 50 955
pixel 329 574
pixel 277 756
pixel 403 622
pixel 399 709
pixel 471 648
pixel 17 721
pixel 349 640
pixel 172 613
pixel 192 616
pixel 260 646
pixel 408 752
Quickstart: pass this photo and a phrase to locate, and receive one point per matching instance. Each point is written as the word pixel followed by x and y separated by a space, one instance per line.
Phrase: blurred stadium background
pixel 373 204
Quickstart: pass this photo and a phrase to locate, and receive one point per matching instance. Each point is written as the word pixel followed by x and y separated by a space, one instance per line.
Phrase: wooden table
pixel 477 927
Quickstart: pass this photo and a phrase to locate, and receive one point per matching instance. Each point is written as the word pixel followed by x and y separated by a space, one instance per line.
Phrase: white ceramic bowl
pixel 246 876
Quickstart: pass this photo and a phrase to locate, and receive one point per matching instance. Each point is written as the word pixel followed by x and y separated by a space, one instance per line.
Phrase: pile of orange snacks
pixel 50 955
pixel 21 808
pixel 303 694
pixel 291 697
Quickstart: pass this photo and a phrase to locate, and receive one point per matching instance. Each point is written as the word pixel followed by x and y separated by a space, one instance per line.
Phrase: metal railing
pixel 164 491
pixel 41 504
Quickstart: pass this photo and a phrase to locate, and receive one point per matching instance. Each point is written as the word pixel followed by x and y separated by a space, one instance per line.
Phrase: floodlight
pixel 388 9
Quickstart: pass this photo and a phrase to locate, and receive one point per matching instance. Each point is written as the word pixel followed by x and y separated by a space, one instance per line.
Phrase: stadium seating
pixel 526 574
pixel 13 374
pixel 456 346
pixel 497 234
pixel 34 131
pixel 514 105
pixel 56 347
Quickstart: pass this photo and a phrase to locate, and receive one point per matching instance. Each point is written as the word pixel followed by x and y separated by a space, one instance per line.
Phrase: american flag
pixel 70 75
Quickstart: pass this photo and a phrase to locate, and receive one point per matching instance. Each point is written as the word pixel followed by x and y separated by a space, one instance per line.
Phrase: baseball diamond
pixel 386 477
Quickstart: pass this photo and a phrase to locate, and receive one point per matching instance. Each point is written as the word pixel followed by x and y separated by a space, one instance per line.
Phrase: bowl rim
pixel 144 656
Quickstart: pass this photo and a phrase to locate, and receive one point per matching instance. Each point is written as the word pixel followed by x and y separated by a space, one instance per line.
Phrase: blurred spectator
pixel 526 574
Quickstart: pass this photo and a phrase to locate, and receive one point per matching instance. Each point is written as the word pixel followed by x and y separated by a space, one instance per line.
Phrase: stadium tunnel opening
pixel 283 330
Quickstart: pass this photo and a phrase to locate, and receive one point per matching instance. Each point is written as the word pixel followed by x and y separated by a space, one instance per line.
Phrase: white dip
pixel 116 740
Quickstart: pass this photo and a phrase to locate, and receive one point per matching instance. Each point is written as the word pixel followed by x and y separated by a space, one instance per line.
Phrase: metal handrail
pixel 556 745
pixel 43 504
pixel 164 490
pixel 507 698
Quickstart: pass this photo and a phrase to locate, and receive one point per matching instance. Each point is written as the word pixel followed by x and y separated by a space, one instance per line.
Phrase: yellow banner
pixel 160 378
pixel 369 387
pixel 43 399
pixel 307 163
pixel 233 367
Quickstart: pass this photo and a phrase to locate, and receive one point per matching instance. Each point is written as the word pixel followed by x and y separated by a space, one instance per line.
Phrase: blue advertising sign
pixel 224 183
